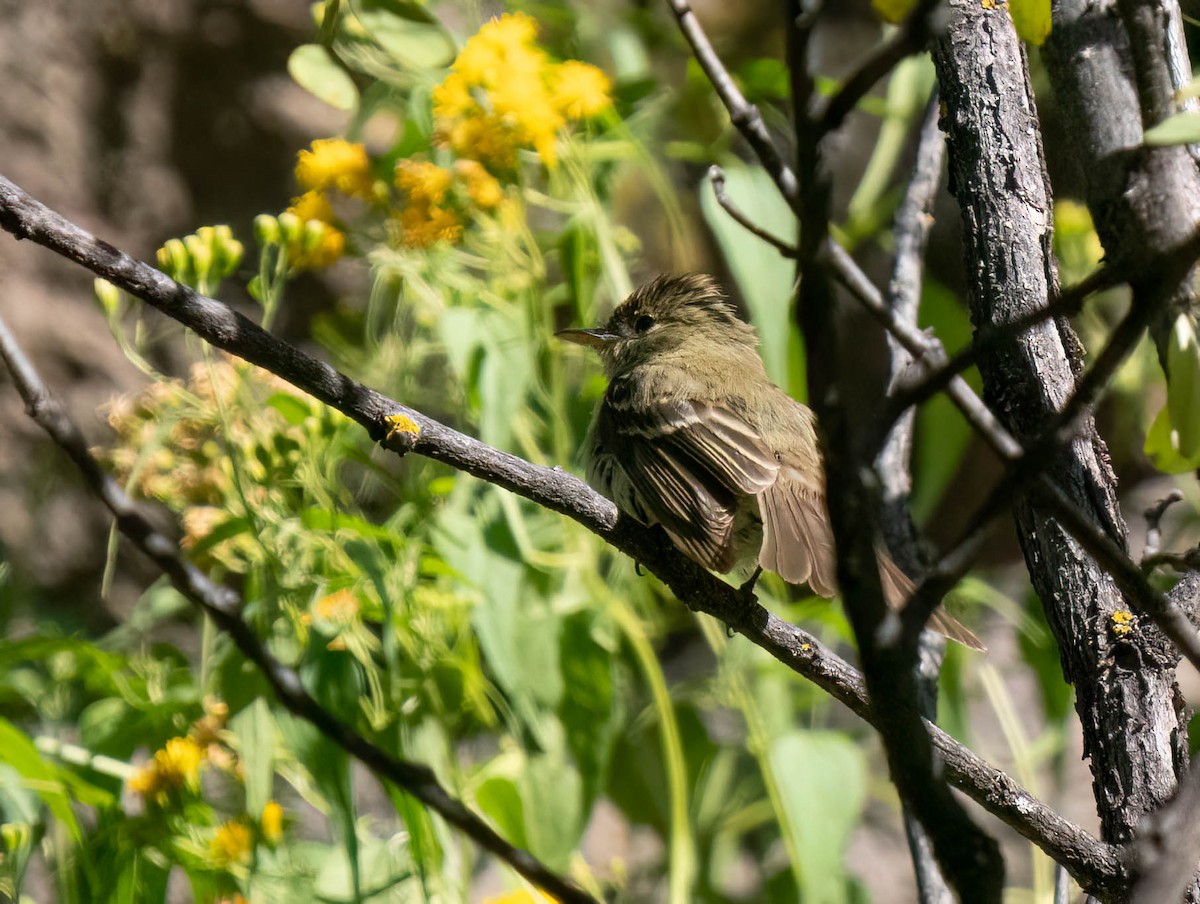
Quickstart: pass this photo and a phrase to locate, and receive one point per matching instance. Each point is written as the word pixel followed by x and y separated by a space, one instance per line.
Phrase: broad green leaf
pixel 254 728
pixel 1032 19
pixel 590 708
pixel 46 779
pixel 552 792
pixel 409 35
pixel 498 798
pixel 822 778
pixel 295 409
pixel 763 275
pixel 318 73
pixel 1182 128
pixel 1183 386
pixel 1162 447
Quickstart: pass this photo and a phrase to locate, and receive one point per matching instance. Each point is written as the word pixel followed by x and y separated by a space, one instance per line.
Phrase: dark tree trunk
pixel 1134 732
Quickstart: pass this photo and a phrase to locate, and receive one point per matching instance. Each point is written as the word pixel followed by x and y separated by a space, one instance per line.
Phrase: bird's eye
pixel 643 323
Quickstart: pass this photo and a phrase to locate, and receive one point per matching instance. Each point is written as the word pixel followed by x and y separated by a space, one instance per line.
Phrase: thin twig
pixel 910 38
pixel 1154 515
pixel 743 114
pixel 716 176
pixel 913 222
pixel 224 607
pixel 1095 865
pixel 893 464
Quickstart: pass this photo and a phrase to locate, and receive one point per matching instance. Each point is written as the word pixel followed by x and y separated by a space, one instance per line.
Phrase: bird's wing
pixel 684 464
pixel 797 541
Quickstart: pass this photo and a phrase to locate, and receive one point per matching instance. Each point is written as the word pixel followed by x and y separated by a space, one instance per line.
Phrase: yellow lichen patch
pixel 401 424
pixel 1121 623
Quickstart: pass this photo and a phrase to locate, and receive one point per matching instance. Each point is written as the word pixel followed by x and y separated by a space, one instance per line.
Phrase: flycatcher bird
pixel 693 435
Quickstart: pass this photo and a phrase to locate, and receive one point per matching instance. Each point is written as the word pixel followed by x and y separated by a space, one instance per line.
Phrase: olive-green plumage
pixel 693 435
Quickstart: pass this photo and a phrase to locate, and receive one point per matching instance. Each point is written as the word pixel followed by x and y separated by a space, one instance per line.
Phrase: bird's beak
pixel 596 338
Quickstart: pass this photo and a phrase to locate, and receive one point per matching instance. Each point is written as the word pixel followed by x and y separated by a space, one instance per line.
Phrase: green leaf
pixel 1032 19
pixel 894 11
pixel 317 72
pixel 822 778
pixel 254 728
pixel 763 275
pixel 551 789
pixel 1162 447
pixel 295 409
pixel 1183 386
pixel 407 32
pixel 46 779
pixel 498 798
pixel 1182 128
pixel 590 708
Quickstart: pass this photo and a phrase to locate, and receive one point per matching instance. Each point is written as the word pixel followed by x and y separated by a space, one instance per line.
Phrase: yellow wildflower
pixel 175 766
pixel 312 205
pixel 580 89
pixel 421 227
pixel 231 843
pixel 272 822
pixel 501 45
pixel 336 163
pixel 424 182
pixel 198 522
pixel 508 30
pixel 485 138
pixel 482 187
pixel 321 245
pixel 513 106
pixel 453 98
pixel 339 606
pixel 523 896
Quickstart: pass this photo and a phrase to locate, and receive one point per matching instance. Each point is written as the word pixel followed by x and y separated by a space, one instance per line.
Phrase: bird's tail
pixel 897 588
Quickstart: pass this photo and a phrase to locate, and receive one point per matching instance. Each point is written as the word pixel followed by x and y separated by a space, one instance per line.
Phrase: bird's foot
pixel 638 570
pixel 746 590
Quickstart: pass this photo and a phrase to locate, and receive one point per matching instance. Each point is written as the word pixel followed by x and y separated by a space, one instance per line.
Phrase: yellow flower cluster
pixel 177 765
pixel 505 93
pixel 339 164
pixel 231 843
pixel 430 213
pixel 314 240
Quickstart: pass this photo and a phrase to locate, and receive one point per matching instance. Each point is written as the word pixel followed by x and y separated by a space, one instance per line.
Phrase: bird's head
pixel 685 314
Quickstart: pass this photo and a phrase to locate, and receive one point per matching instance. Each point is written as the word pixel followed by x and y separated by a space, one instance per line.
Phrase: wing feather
pixel 685 465
pixel 797 543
